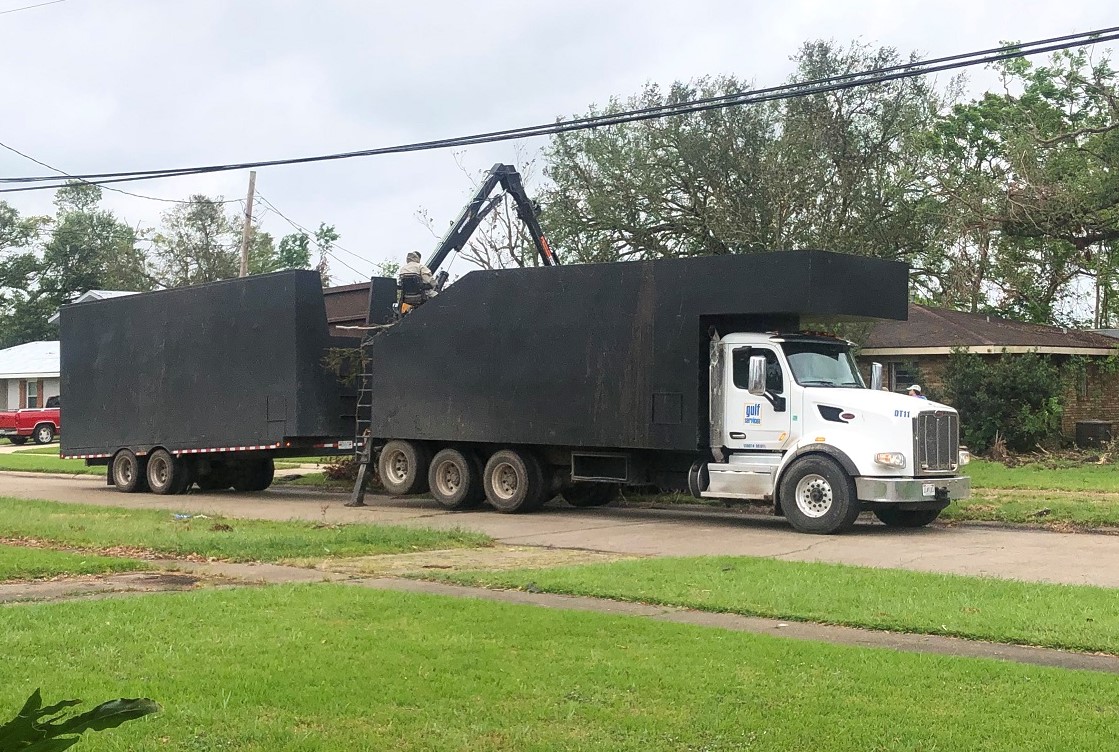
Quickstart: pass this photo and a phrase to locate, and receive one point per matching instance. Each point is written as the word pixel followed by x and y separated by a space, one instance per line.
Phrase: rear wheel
pixel 44 433
pixel 817 496
pixel 402 466
pixel 514 482
pixel 906 517
pixel 18 440
pixel 253 475
pixel 128 472
pixel 165 472
pixel 455 480
pixel 590 494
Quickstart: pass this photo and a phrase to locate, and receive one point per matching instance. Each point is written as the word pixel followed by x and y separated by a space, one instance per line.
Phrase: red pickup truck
pixel 41 424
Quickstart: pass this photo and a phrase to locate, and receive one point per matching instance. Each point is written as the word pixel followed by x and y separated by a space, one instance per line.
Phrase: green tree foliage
pixel 834 170
pixel 21 306
pixel 1017 397
pixel 197 242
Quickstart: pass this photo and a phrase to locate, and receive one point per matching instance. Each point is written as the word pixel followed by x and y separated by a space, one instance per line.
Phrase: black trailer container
pixel 592 370
pixel 202 384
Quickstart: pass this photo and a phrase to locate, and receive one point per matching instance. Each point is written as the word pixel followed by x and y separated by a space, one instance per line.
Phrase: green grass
pixel 333 667
pixel 1054 509
pixel 32 461
pixel 17 563
pixel 1074 617
pixel 995 475
pixel 100 528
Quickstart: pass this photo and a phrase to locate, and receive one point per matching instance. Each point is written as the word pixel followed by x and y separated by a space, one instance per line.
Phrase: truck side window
pixel 740 358
pixel 53 402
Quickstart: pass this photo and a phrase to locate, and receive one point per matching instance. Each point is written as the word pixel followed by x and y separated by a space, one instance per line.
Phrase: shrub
pixel 1017 397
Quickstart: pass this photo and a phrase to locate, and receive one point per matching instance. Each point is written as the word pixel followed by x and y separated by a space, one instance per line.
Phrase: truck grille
pixel 936 442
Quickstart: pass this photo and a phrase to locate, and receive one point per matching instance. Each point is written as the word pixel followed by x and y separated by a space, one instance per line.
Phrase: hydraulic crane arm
pixel 482 204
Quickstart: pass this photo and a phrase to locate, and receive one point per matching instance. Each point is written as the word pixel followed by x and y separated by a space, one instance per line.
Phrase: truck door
pixel 756 422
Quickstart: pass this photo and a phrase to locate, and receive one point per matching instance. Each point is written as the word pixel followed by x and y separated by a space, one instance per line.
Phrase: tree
pixel 325 238
pixel 294 251
pixel 834 170
pixel 196 243
pixel 23 311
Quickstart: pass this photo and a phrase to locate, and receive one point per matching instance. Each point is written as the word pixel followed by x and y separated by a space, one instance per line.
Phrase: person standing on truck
pixel 914 390
pixel 416 283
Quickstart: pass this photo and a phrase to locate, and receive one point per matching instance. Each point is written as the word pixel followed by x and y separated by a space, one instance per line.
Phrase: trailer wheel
pixel 817 496
pixel 129 472
pixel 44 433
pixel 906 517
pixel 165 472
pixel 514 482
pixel 590 494
pixel 253 475
pixel 218 479
pixel 455 480
pixel 402 467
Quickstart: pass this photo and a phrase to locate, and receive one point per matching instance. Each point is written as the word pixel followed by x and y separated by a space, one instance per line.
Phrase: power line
pixel 30 7
pixel 311 236
pixel 787 91
pixel 99 185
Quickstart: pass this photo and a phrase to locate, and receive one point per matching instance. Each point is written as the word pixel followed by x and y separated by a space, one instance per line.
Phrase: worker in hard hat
pixel 914 390
pixel 415 282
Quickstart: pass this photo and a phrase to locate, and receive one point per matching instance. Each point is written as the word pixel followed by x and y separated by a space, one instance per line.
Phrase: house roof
pixel 32 360
pixel 91 295
pixel 936 331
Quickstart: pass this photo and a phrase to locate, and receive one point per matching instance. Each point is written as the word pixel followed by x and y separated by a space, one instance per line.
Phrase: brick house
pixel 917 351
pixel 28 375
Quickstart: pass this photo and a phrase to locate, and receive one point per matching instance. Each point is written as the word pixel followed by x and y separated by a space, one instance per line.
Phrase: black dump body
pixel 601 355
pixel 228 364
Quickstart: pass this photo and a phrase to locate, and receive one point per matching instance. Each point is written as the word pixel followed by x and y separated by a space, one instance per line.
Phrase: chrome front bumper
pixel 900 490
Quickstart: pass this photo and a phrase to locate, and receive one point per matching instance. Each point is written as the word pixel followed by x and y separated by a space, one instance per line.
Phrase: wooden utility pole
pixel 247 229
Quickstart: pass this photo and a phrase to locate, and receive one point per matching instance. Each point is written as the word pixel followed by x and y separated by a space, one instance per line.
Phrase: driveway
pixel 1033 555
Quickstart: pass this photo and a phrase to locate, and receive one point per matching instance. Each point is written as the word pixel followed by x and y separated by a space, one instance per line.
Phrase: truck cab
pixel 793 422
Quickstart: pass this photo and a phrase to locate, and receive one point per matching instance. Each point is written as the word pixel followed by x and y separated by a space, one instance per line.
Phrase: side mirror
pixel 876 376
pixel 756 384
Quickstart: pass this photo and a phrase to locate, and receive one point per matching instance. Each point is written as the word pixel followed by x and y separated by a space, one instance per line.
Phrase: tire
pixel 129 472
pixel 250 476
pixel 402 467
pixel 218 479
pixel 455 480
pixel 817 496
pixel 590 494
pixel 44 433
pixel 906 517
pixel 165 472
pixel 514 482
pixel 18 440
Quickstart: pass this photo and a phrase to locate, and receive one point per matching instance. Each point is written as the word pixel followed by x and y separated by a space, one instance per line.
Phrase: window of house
pixel 32 399
pixel 902 374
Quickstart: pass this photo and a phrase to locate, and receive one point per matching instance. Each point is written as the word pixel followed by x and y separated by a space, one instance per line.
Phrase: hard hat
pixel 914 388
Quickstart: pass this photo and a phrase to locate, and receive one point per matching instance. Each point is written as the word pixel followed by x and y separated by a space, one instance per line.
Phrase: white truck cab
pixel 793 422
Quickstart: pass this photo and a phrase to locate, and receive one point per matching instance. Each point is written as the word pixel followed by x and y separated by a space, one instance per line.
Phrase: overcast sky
pixel 109 85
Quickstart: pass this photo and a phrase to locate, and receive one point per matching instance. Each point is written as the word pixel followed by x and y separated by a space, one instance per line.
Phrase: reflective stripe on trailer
pixel 209 450
pixel 83 456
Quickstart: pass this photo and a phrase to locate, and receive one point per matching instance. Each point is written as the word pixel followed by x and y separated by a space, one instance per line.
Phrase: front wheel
pixel 906 517
pixel 44 433
pixel 817 496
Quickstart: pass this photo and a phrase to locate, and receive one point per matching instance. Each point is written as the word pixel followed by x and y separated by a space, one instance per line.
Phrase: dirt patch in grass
pixel 125 552
pixel 490 559
pixel 87 586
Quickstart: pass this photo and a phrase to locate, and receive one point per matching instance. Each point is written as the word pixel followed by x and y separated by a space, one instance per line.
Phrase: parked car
pixel 42 424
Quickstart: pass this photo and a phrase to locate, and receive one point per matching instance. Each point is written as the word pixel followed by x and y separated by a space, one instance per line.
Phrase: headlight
pixel 965 456
pixel 890 459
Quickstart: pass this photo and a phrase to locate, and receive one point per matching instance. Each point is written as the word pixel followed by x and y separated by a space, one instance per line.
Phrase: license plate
pixel 345 445
pixel 928 489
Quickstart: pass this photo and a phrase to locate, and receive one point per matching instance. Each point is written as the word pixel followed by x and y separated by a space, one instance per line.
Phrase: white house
pixel 28 375
pixel 91 295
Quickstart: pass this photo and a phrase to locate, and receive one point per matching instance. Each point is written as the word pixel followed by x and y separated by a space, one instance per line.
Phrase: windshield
pixel 822 364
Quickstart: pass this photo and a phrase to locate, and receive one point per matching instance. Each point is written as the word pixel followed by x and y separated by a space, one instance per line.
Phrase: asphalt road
pixel 1032 555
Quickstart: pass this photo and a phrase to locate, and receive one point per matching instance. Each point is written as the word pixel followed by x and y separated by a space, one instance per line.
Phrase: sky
pixel 112 85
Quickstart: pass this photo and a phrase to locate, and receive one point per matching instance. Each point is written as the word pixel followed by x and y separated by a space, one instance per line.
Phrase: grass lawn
pixel 17 563
pixel 992 475
pixel 101 528
pixel 45 460
pixel 332 667
pixel 1074 617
